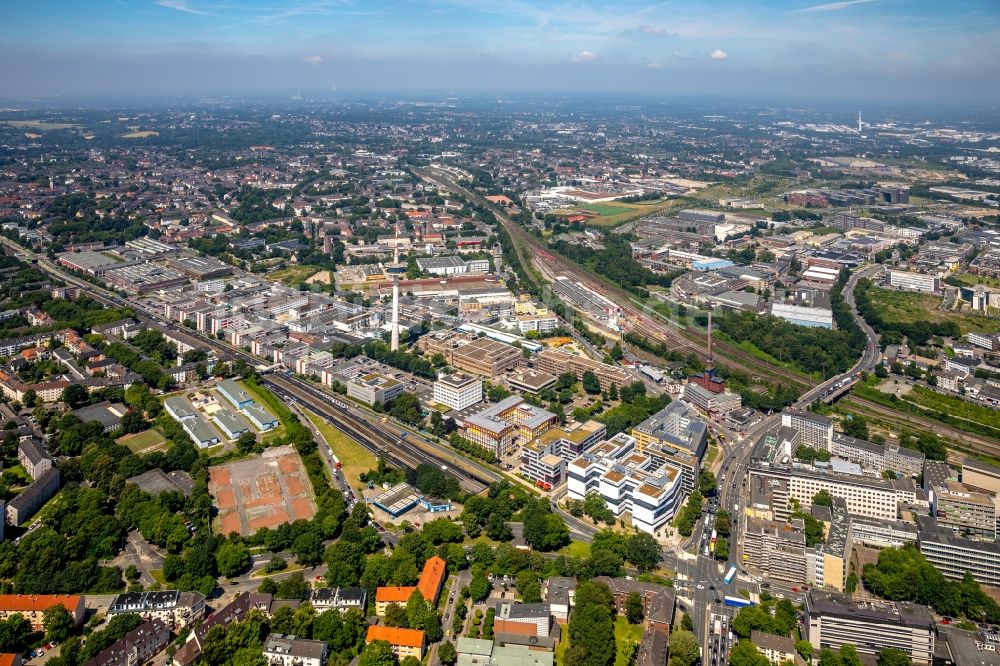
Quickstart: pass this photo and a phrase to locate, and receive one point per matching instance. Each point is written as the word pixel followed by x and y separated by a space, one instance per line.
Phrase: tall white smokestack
pixel 395 270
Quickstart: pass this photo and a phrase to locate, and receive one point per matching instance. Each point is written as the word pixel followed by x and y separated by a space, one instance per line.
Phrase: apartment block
pixel 777 485
pixel 404 642
pixel 716 404
pixel 543 460
pixel 136 647
pixel 33 606
pixel 33 457
pixel 815 431
pixel 281 650
pixel 175 609
pixel 965 511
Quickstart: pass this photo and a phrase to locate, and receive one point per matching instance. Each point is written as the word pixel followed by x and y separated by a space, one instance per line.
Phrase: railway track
pixel 688 342
pixel 966 441
pixel 397 450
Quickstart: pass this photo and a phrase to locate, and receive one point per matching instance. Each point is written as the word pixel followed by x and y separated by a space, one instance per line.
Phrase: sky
pixel 920 51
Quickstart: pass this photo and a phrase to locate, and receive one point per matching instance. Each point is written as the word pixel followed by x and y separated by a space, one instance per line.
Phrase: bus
pixel 730 576
pixel 738 602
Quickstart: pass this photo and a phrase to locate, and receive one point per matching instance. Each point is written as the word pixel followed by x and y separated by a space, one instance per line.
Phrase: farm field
pixel 145 134
pixel 908 307
pixel 38 124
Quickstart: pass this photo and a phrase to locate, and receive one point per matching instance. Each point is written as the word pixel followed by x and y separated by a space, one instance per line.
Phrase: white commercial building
pixel 458 391
pixel 914 281
pixel 628 480
pixel 803 316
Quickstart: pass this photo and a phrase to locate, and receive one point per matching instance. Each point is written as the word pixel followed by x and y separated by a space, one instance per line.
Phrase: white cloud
pixel 312 59
pixel 647 29
pixel 181 6
pixel 832 6
pixel 585 56
pixel 654 65
pixel 718 54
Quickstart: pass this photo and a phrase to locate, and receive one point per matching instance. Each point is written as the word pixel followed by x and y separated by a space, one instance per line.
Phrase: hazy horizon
pixel 880 51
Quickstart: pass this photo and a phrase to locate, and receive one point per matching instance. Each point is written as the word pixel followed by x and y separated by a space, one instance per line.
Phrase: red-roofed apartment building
pixel 404 642
pixel 431 580
pixel 33 606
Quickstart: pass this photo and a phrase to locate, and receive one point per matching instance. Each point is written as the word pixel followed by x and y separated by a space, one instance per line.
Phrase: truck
pixel 718 627
pixel 730 575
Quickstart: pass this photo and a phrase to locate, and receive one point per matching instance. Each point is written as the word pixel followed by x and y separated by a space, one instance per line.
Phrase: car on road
pixel 701 587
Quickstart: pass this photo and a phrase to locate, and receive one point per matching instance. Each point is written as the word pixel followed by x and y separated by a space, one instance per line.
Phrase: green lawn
pixel 143 442
pixel 561 648
pixel 354 458
pixel 606 209
pixel 625 633
pixel 973 280
pixel 575 548
pixel 908 307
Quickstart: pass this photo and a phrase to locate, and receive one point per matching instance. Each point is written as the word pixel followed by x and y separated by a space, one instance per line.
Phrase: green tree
pixel 417 611
pixel 396 616
pixel 643 551
pixel 377 653
pixel 706 483
pixel 722 548
pixel 823 498
pixel 893 657
pixel 479 588
pixel 590 383
pixel 246 442
pixel 633 608
pixel 746 654
pixel 73 395
pixel 687 623
pixel 447 653
pixel 683 648
pixel 804 648
pixel 232 559
pixel 58 623
pixel 849 655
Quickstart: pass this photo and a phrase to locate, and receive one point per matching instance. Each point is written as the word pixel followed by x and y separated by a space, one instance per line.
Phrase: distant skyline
pixel 868 50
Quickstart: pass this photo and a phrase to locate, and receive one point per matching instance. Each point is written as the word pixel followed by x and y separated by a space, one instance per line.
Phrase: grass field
pixel 611 215
pixel 625 633
pixel 973 280
pixel 292 276
pixel 606 209
pixel 144 442
pixel 145 134
pixel 575 548
pixel 908 307
pixel 354 458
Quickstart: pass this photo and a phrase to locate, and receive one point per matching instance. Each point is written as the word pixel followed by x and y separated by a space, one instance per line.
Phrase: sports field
pixel 144 442
pixel 264 491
